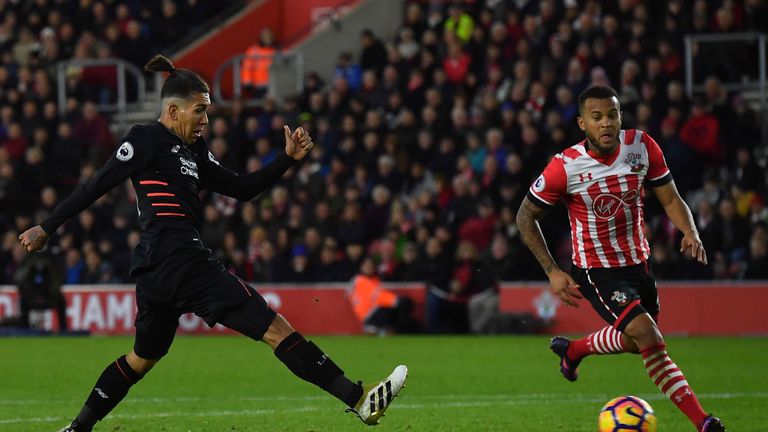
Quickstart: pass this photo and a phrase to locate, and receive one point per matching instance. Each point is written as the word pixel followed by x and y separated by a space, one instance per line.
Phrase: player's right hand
pixel 34 238
pixel 565 287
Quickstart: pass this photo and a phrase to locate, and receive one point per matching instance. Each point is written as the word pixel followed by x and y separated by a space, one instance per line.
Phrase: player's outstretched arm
pixel 34 238
pixel 247 186
pixel 129 158
pixel 680 215
pixel 562 283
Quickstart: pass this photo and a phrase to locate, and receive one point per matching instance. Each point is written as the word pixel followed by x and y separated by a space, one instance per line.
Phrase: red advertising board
pixel 713 309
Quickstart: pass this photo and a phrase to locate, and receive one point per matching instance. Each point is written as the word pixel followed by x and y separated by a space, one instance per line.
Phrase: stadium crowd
pixel 427 140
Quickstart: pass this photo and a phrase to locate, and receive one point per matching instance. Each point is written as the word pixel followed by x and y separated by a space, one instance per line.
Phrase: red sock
pixel 604 341
pixel 670 380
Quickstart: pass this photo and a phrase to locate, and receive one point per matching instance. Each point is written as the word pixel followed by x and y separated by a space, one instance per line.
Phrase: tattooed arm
pixel 562 283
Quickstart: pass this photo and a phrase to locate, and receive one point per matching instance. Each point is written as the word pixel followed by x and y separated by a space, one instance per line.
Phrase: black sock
pixel 310 363
pixel 110 389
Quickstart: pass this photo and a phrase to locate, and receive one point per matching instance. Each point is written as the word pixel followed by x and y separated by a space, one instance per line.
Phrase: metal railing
pixel 280 60
pixel 741 86
pixel 121 105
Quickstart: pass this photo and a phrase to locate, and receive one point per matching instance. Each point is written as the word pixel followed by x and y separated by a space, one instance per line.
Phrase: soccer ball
pixel 627 413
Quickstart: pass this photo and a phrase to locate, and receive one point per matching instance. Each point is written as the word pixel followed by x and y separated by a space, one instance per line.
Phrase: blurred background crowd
pixel 427 139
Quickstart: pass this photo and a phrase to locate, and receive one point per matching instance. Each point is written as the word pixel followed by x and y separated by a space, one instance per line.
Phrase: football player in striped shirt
pixel 601 182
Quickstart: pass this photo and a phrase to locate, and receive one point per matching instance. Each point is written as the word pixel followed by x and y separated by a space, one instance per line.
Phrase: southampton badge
pixel 125 152
pixel 620 297
pixel 634 161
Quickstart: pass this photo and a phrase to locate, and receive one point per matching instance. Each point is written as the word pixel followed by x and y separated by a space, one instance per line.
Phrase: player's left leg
pixel 666 375
pixel 607 340
pixel 610 292
pixel 613 293
pixel 154 335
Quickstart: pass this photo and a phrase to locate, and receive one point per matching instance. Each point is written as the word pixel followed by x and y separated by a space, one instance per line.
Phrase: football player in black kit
pixel 168 163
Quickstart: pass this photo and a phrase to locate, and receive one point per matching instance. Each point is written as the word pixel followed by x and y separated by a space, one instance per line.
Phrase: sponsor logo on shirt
pixel 606 205
pixel 188 167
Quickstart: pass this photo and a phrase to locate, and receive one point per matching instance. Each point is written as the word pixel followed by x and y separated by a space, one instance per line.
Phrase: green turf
pixel 455 383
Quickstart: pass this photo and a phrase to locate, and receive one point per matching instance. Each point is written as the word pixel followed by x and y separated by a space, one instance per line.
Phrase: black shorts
pixel 192 281
pixel 619 294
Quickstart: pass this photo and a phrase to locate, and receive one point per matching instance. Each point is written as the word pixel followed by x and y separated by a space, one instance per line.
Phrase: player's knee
pixel 278 330
pixel 644 331
pixel 140 365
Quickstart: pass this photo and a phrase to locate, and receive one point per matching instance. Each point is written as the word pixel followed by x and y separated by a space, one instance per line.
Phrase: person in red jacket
pixel 701 132
pixel 456 63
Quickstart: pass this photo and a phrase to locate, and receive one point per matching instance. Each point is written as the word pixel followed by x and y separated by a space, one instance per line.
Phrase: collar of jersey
pixel 607 160
pixel 173 134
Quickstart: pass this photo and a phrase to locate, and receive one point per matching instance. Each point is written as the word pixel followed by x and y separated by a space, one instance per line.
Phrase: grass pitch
pixel 455 384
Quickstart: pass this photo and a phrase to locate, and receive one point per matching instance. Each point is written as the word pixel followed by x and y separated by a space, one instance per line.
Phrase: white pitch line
pixel 464 396
pixel 462 402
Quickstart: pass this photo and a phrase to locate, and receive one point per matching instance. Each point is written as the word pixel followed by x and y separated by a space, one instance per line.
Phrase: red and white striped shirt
pixel 604 197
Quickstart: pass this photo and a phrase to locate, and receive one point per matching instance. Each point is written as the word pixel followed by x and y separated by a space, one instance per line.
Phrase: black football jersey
pixel 167 175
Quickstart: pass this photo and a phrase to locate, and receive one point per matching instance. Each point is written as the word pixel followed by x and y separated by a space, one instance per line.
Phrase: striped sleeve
pixel 658 172
pixel 550 186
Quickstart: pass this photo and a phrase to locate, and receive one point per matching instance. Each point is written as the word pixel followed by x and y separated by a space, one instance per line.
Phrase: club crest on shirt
pixel 125 152
pixel 620 297
pixel 635 162
pixel 175 149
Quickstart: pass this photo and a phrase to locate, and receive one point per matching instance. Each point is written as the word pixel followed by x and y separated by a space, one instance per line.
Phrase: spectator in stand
pixel 15 144
pixel 379 310
pixel 96 270
pixel 459 23
pixel 374 55
pixel 254 71
pixel 92 130
pixel 478 229
pixel 133 45
pixel 169 25
pixel 437 270
pixel 39 281
pixel 456 63
pixel 75 266
pixel 409 269
pixel 329 268
pixel 730 232
pixel 300 269
pixel 701 132
pixel 349 70
pixel 757 266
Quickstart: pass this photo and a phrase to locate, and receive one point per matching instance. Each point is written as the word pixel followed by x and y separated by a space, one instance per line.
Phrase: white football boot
pixel 378 396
